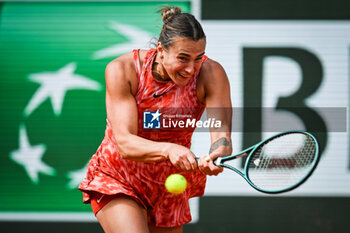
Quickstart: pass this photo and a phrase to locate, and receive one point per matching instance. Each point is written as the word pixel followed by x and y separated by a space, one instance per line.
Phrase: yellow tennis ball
pixel 175 183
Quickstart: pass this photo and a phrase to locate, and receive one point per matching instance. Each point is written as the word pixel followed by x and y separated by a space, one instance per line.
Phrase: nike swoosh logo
pixel 99 200
pixel 156 96
pixel 166 90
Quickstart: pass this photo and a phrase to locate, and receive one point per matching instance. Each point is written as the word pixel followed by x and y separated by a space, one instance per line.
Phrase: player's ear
pixel 160 48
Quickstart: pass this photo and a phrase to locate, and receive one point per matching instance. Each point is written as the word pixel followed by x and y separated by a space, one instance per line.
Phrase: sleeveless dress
pixel 109 174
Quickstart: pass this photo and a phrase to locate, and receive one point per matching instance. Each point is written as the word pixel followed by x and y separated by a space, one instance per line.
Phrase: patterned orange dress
pixel 109 174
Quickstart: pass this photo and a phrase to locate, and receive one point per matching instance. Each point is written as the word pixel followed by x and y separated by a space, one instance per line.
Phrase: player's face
pixel 182 59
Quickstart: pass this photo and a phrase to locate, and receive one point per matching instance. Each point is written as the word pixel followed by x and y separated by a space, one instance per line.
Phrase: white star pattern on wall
pixel 136 37
pixel 30 157
pixel 76 177
pixel 54 85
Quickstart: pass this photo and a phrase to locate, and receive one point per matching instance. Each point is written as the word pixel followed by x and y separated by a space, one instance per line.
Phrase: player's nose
pixel 190 69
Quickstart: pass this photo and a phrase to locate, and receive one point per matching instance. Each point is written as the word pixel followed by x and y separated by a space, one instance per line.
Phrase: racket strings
pixel 282 162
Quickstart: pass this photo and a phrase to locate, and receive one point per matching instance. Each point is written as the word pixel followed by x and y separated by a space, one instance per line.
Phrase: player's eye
pixel 182 58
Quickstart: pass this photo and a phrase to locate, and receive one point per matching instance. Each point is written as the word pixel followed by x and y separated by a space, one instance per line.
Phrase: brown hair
pixel 178 24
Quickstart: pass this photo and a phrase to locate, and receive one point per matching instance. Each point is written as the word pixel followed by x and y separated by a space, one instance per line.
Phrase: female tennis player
pixel 125 178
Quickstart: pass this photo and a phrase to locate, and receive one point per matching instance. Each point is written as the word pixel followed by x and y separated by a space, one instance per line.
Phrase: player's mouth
pixel 185 77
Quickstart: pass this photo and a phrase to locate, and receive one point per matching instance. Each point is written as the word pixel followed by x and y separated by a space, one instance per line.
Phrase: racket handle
pixel 216 161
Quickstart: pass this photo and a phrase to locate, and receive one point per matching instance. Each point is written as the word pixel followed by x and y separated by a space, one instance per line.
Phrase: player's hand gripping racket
pixel 278 164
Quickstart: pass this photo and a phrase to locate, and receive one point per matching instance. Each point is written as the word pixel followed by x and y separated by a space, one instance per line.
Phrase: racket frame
pixel 220 161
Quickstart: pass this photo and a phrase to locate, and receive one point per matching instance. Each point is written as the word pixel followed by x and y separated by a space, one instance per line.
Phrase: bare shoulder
pixel 121 64
pixel 211 69
pixel 121 71
pixel 212 76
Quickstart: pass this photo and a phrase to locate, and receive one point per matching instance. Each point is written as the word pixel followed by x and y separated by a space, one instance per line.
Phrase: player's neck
pixel 158 71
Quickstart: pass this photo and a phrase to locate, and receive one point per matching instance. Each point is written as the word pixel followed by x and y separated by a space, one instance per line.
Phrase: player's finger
pixel 241 155
pixel 201 164
pixel 214 170
pixel 207 158
pixel 186 164
pixel 214 156
pixel 181 166
pixel 193 163
pixel 206 162
pixel 217 168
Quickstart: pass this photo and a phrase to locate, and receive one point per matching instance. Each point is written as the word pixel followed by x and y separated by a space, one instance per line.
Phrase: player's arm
pixel 121 86
pixel 218 105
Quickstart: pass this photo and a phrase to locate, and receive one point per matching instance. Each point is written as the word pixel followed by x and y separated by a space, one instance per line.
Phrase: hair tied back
pixel 169 12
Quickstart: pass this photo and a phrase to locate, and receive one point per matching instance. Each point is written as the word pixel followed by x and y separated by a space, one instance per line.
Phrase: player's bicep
pixel 120 102
pixel 218 97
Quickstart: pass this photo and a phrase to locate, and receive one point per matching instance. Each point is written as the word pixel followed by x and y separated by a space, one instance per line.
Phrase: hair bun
pixel 169 12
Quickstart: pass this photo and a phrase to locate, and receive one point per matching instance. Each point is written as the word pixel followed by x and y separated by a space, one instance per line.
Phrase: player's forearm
pixel 221 143
pixel 221 137
pixel 137 148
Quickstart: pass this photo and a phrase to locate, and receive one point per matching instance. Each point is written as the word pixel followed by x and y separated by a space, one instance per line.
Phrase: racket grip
pixel 216 161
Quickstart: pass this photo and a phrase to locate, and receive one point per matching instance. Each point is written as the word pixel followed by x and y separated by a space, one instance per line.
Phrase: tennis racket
pixel 278 164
